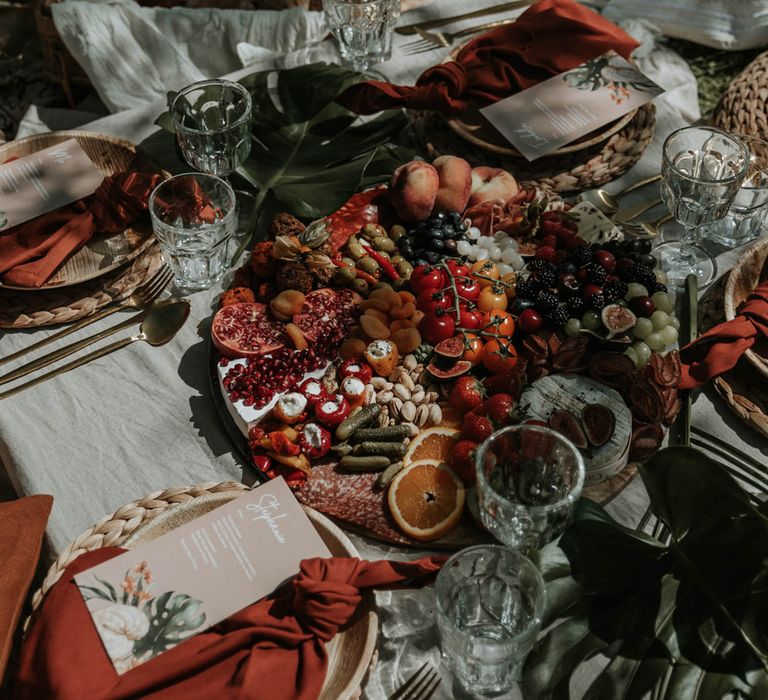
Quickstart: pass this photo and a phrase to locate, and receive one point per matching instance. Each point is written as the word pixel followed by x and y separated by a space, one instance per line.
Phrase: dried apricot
pixel 404 311
pixel 406 297
pixel 374 328
pixel 356 332
pixel 401 324
pixel 352 347
pixel 375 303
pixel 287 303
pixel 375 313
pixel 406 339
pixel 296 336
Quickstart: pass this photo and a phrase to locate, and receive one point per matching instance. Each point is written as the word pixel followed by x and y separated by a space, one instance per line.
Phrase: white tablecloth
pixel 142 419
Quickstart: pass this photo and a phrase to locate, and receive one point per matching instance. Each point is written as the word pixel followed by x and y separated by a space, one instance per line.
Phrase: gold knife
pixel 430 24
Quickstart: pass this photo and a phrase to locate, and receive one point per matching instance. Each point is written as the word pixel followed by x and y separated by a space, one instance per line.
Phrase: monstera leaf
pixel 684 620
pixel 309 153
pixel 172 618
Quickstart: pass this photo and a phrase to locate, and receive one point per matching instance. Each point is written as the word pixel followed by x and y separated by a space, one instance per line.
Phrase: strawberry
pixel 463 462
pixel 498 408
pixel 467 394
pixel 508 382
pixel 476 428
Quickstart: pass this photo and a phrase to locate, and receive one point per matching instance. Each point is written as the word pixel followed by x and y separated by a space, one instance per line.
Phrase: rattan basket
pixel 743 108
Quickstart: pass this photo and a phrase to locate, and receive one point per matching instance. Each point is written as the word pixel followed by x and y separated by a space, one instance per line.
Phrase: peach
pixel 491 183
pixel 455 183
pixel 413 190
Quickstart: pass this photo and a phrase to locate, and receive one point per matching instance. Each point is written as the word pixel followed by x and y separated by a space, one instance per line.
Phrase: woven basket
pixel 743 108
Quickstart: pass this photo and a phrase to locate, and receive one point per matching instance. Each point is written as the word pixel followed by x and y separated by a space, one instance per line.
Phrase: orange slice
pixel 426 500
pixel 434 444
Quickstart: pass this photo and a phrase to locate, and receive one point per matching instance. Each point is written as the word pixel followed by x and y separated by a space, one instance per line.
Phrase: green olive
pixel 345 275
pixel 396 259
pixel 371 231
pixel 404 269
pixel 384 243
pixel 360 285
pixel 396 231
pixel 381 285
pixel 348 261
pixel 368 264
pixel 399 284
pixel 355 250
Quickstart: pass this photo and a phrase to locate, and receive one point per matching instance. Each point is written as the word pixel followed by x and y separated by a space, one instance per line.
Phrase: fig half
pixel 565 423
pixel 617 319
pixel 599 423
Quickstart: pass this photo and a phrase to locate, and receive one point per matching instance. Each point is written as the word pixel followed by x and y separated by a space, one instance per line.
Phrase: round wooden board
pixel 104 252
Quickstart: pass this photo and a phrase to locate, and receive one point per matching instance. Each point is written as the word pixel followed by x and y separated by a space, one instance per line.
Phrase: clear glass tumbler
pixel 701 171
pixel 744 220
pixel 363 29
pixel 490 602
pixel 194 217
pixel 212 121
pixel 528 481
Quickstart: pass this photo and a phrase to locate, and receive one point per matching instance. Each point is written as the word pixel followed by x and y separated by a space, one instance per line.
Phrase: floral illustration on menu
pixel 138 624
pixel 608 71
pixel 3 220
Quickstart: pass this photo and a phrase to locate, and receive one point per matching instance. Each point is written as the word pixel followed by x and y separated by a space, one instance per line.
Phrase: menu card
pixel 565 107
pixel 150 599
pixel 44 181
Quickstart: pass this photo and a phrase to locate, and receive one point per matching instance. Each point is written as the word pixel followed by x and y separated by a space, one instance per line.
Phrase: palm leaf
pixel 684 619
pixel 172 618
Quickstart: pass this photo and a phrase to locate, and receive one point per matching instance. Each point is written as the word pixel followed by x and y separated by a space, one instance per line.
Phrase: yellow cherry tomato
pixel 493 297
pixel 509 289
pixel 486 272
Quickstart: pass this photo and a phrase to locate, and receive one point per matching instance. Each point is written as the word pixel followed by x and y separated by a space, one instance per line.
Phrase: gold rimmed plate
pixel 104 253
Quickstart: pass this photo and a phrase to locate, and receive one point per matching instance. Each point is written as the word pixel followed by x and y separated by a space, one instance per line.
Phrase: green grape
pixel 662 301
pixel 668 335
pixel 661 277
pixel 632 355
pixel 642 353
pixel 654 341
pixel 591 321
pixel 572 327
pixel 674 321
pixel 659 319
pixel 634 289
pixel 643 328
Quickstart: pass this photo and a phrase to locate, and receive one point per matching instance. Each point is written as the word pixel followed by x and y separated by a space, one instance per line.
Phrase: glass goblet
pixel 701 171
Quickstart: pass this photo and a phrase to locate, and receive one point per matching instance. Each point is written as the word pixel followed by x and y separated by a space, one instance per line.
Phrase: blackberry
pixel 546 302
pixel 575 306
pixel 537 265
pixel 546 277
pixel 658 287
pixel 581 256
pixel 526 288
pixel 614 290
pixel 648 280
pixel 596 301
pixel 596 274
pixel 559 317
pixel 636 272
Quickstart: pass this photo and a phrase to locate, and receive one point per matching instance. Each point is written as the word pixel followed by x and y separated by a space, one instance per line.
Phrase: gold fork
pixel 141 298
pixel 646 228
pixel 436 40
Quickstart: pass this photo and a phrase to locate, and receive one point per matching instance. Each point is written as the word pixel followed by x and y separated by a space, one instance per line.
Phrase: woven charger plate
pixel 64 305
pixel 743 108
pixel 104 252
pixel 349 653
pixel 573 172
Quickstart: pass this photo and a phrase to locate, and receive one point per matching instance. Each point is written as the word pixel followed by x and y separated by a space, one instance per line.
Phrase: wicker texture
pixel 743 108
pixel 742 389
pixel 569 173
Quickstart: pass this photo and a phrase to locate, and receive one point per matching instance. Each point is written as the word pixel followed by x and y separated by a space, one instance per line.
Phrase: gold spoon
pixel 609 203
pixel 158 327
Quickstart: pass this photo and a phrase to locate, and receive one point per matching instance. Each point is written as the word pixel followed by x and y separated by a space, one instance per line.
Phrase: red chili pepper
pixel 364 275
pixel 282 445
pixel 385 265
pixel 332 412
pixel 307 436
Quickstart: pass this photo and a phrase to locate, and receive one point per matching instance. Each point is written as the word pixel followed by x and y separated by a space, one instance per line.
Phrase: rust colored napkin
pixel 721 347
pixel 31 252
pixel 22 526
pixel 271 650
pixel 550 37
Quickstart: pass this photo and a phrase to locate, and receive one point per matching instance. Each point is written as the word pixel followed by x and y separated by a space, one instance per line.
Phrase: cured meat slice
pixel 246 330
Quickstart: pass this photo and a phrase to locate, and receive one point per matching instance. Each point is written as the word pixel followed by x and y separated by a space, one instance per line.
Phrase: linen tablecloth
pixel 142 419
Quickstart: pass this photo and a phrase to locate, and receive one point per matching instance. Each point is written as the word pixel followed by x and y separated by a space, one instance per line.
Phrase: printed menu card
pixel 150 599
pixel 565 107
pixel 46 180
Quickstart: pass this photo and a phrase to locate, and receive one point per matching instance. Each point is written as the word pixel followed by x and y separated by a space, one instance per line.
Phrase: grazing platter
pixel 366 355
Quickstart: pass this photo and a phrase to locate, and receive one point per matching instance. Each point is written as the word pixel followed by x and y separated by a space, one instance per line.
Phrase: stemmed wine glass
pixel 701 171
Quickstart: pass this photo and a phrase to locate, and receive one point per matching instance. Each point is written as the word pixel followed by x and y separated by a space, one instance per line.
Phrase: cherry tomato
pixel 510 279
pixel 485 272
pixel 470 318
pixel 429 300
pixel 493 297
pixel 474 348
pixel 457 268
pixel 467 288
pixel 499 355
pixel 437 326
pixel 426 277
pixel 499 322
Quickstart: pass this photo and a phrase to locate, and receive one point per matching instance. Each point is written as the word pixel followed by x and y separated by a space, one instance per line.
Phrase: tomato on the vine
pixel 457 268
pixel 437 326
pixel 499 322
pixel 470 318
pixel 426 277
pixel 473 345
pixel 467 288
pixel 493 297
pixel 509 279
pixel 485 272
pixel 429 300
pixel 499 355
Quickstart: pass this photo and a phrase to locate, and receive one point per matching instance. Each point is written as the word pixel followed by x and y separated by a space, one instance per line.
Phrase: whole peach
pixel 491 183
pixel 413 190
pixel 455 183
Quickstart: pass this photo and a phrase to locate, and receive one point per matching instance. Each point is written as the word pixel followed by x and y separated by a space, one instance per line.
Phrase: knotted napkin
pixel 271 650
pixel 550 37
pixel 720 348
pixel 31 252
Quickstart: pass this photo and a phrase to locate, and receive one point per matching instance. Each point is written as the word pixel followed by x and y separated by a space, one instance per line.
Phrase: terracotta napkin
pixel 22 526
pixel 31 252
pixel 272 650
pixel 550 37
pixel 720 348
